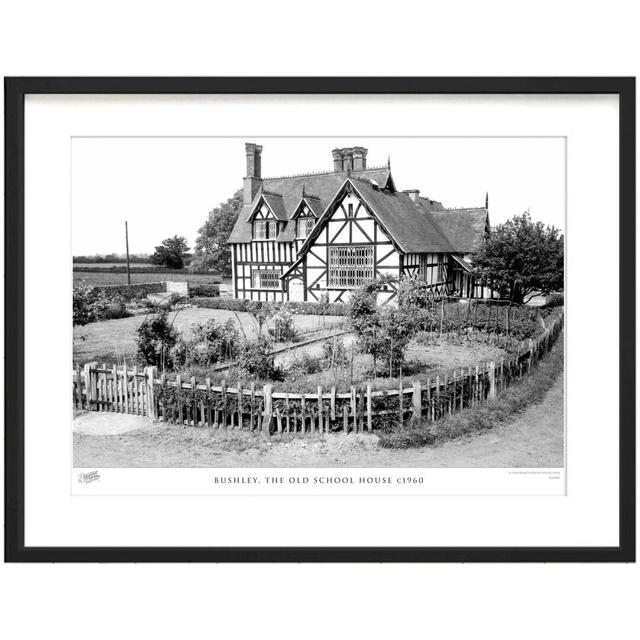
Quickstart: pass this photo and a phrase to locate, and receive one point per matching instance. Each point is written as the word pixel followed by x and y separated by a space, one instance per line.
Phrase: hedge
pixel 204 290
pixel 130 291
pixel 307 308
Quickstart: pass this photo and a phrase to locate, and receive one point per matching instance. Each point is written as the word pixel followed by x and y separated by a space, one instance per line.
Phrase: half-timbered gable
pixel 347 248
pixel 320 236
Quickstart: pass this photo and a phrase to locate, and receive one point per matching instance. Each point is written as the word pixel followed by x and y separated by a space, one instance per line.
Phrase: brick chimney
pixel 253 179
pixel 414 194
pixel 354 158
pixel 359 158
pixel 337 160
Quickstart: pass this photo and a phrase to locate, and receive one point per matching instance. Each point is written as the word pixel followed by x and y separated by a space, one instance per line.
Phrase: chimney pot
pixel 359 158
pixel 414 194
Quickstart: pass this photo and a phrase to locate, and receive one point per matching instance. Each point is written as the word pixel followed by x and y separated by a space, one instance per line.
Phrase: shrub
pixel 414 292
pixel 554 300
pixel 82 305
pixel 307 363
pixel 334 353
pixel 214 342
pixel 397 327
pixel 255 360
pixel 91 304
pixel 204 290
pixel 156 340
pixel 261 313
pixel 283 327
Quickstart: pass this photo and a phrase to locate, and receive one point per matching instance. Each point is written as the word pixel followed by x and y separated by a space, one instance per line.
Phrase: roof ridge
pixel 324 173
pixel 465 209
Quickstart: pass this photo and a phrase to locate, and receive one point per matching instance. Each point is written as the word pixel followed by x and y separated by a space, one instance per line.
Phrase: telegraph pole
pixel 126 238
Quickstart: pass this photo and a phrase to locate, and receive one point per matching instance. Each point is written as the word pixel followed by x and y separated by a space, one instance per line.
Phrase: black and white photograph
pixel 365 315
pixel 318 302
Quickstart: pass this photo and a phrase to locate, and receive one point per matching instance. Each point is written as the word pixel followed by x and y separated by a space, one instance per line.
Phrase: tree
pixel 171 253
pixel 522 259
pixel 212 250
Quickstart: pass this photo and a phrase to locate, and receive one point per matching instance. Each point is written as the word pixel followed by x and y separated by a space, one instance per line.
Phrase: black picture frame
pixel 15 91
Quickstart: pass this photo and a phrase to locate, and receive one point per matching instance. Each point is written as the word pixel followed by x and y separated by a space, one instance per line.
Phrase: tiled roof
pixel 276 204
pixel 412 227
pixel 423 226
pixel 465 228
pixel 322 186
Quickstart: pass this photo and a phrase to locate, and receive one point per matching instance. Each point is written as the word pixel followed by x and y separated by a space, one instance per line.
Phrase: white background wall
pixel 371 601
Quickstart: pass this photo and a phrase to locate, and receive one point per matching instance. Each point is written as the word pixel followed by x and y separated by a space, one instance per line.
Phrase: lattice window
pixel 350 267
pixel 305 225
pixel 265 279
pixel 265 229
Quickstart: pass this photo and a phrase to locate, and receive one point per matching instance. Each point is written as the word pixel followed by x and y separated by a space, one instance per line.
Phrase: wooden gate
pixel 99 388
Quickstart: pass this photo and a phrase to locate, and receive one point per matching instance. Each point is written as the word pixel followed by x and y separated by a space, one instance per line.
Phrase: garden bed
pixel 114 341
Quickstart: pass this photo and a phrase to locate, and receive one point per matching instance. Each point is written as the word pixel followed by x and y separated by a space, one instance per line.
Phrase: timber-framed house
pixel 320 235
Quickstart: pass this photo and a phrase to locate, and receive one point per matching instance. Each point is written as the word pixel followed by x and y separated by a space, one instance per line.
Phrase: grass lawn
pixel 113 341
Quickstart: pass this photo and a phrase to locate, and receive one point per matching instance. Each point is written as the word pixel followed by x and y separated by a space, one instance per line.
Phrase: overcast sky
pixel 166 186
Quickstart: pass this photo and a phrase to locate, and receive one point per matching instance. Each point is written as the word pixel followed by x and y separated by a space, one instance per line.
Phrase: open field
pixel 100 278
pixel 531 438
pixel 108 265
pixel 113 341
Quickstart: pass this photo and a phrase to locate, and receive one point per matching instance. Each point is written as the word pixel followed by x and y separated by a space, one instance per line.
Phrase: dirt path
pixel 535 438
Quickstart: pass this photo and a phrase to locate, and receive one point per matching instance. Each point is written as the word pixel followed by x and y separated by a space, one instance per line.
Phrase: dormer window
pixel 305 225
pixel 265 229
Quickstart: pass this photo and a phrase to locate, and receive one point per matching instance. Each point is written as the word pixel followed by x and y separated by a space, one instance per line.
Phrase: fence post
pixel 333 403
pixel 151 396
pixel 90 377
pixel 320 409
pixel 492 380
pixel 125 387
pixel 477 385
pixel 179 394
pixel 268 409
pixel 369 410
pixel 224 404
pixel 87 384
pixel 116 391
pixel 78 387
pixel 353 409
pixel 530 353
pixel 417 400
pixel 209 420
pixel 193 411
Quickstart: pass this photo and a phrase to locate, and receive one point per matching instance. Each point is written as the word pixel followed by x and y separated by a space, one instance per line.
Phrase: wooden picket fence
pixel 119 390
pixel 188 403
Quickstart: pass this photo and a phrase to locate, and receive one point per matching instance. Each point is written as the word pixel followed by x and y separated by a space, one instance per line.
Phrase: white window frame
pixel 308 222
pixel 266 279
pixel 350 266
pixel 268 229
